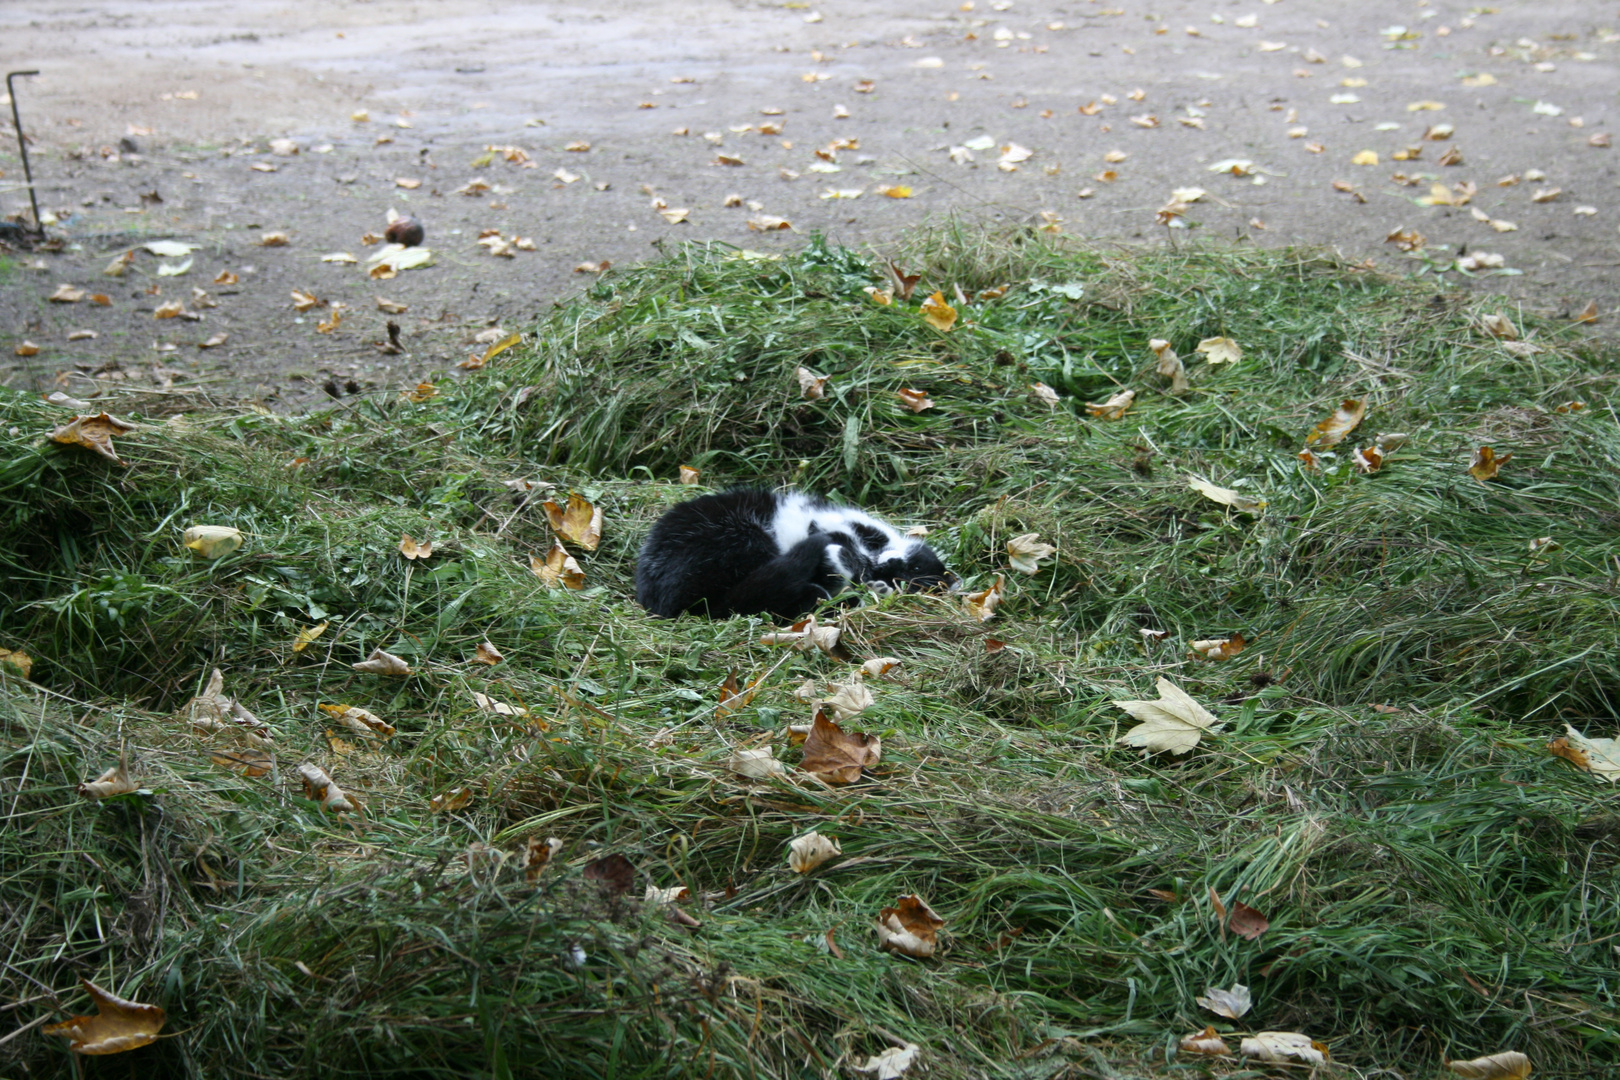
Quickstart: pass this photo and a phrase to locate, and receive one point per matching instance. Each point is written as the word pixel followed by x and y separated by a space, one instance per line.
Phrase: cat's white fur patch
pixel 796 513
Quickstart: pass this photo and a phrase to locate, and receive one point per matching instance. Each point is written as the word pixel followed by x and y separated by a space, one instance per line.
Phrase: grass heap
pixel 1437 884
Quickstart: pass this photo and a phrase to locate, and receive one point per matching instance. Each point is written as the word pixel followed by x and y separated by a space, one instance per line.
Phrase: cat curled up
pixel 753 552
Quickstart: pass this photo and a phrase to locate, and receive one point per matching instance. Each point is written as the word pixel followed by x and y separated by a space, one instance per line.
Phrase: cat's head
pixel 919 570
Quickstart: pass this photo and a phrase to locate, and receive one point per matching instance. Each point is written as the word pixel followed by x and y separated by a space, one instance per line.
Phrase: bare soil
pixel 154 119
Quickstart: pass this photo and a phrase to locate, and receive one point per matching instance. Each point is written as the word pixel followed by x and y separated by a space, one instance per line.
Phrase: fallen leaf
pixel 1600 757
pixel 274 239
pixel 212 541
pixel 688 475
pixel 1500 326
pixel 412 550
pixel 1170 366
pixel 755 764
pixel 836 756
pixel 383 663
pixel 225 277
pixel 1115 407
pixel 981 605
pixel 167 249
pixel 322 789
pixel 1588 314
pixel 1367 459
pixel 487 654
pixel 937 313
pixel 169 310
pixel 1219 648
pixel 915 400
pixel 906 283
pixel 66 294
pixel 307 636
pixel 1331 432
pixel 733 696
pixel 115 781
pixel 537 855
pixel 341 257
pixel 448 801
pixel 1220 350
pixel 1365 157
pixel 891 1063
pixel 1406 239
pixel 391 307
pixel 1045 395
pixel 910 927
pixel 1481 260
pixel 1233 1003
pixel 1485 463
pixel 1226 496
pixel 1246 922
pixel 1284 1046
pixel 119 1024
pixel 93 433
pixel 361 721
pixel 848 699
pixel 558 568
pixel 809 851
pixel 1026 552
pixel 499 708
pixel 811 386
pixel 1174 723
pixel 806 635
pixel 1508 1065
pixel 614 874
pixel 16 662
pixel 215 341
pixel 894 191
pixel 768 223
pixel 579 523
pixel 1207 1041
pixel 250 763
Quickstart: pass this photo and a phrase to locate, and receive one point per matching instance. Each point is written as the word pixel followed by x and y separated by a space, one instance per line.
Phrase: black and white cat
pixel 752 552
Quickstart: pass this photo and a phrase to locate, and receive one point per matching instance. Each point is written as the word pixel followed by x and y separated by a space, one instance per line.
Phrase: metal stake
pixel 22 145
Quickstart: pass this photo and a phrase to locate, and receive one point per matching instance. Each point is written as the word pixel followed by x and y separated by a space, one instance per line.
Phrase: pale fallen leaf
pixel 115 781
pixel 168 249
pixel 488 704
pixel 1045 395
pixel 805 635
pixel 1219 648
pixel 307 636
pixel 1331 432
pixel 1174 723
pixel 981 605
pixel 688 475
pixel 1115 407
pixel 910 927
pixel 274 239
pixel 413 549
pixel 1220 350
pixel 383 663
pixel 361 721
pixel 119 1024
pixel 915 400
pixel 1170 365
pixel 537 855
pixel 809 851
pixel 1226 496
pixel 1284 1046
pixel 487 654
pixel 811 385
pixel 1508 1065
pixel 849 699
pixel 212 541
pixel 93 433
pixel 1600 757
pixel 758 764
pixel 1207 1041
pixel 66 294
pixel 1233 1003
pixel 891 1063
pixel 1026 552
pixel 322 789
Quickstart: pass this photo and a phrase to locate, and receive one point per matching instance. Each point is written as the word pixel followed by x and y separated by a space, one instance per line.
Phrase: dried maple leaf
pixel 119 1024
pixel 1226 496
pixel 615 874
pixel 1026 552
pixel 115 781
pixel 558 568
pixel 906 283
pixel 1600 757
pixel 1115 407
pixel 1170 365
pixel 849 699
pixel 1284 1046
pixel 879 665
pixel 383 663
pixel 835 756
pixel 1219 648
pixel 1485 462
pixel 1233 1003
pixel 93 433
pixel 361 721
pixel 1367 459
pixel 981 605
pixel 1508 1065
pixel 915 400
pixel 1174 723
pixel 809 851
pixel 412 550
pixel 578 523
pixel 811 386
pixel 1333 430
pixel 321 788
pixel 910 927
pixel 1220 350
pixel 734 696
pixel 1207 1041
pixel 937 313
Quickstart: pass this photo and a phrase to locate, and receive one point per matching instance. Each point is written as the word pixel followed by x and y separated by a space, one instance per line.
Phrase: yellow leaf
pixel 558 568
pixel 895 191
pixel 1220 350
pixel 809 851
pixel 1174 723
pixel 1485 463
pixel 118 1025
pixel 212 541
pixel 1509 1065
pixel 16 662
pixel 937 313
pixel 1226 496
pixel 93 433
pixel 1331 432
pixel 1425 106
pixel 880 297
pixel 1114 408
pixel 579 523
pixel 307 636
pixel 251 763
pixel 1365 157
pixel 487 654
pixel 981 605
pixel 412 550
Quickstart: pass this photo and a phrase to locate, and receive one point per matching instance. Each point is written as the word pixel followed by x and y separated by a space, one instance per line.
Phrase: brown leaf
pixel 613 873
pixel 906 283
pixel 537 855
pixel 733 696
pixel 448 801
pixel 412 550
pixel 307 636
pixel 247 762
pixel 915 400
pixel 579 523
pixel 322 789
pixel 910 927
pixel 1246 922
pixel 1207 1041
pixel 1589 313
pixel 1368 459
pixel 982 604
pixel 391 307
pixel 93 433
pixel 26 348
pixel 1343 421
pixel 836 756
pixel 811 386
pixel 1219 648
pixel 115 781
pixel 118 1025
pixel 66 294
pixel 361 720
pixel 487 654
pixel 558 568
pixel 224 277
pixel 1485 463
pixel 1406 239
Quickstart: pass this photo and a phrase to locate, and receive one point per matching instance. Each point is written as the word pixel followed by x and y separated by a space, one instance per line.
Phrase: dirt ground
pixel 570 126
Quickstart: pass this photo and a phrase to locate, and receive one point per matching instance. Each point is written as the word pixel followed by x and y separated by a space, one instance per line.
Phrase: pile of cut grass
pixel 1437 884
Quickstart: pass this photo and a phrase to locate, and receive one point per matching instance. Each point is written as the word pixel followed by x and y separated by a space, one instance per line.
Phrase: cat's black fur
pixel 753 552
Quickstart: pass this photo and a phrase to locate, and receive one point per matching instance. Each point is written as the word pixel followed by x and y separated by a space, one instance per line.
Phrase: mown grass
pixel 1437 883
